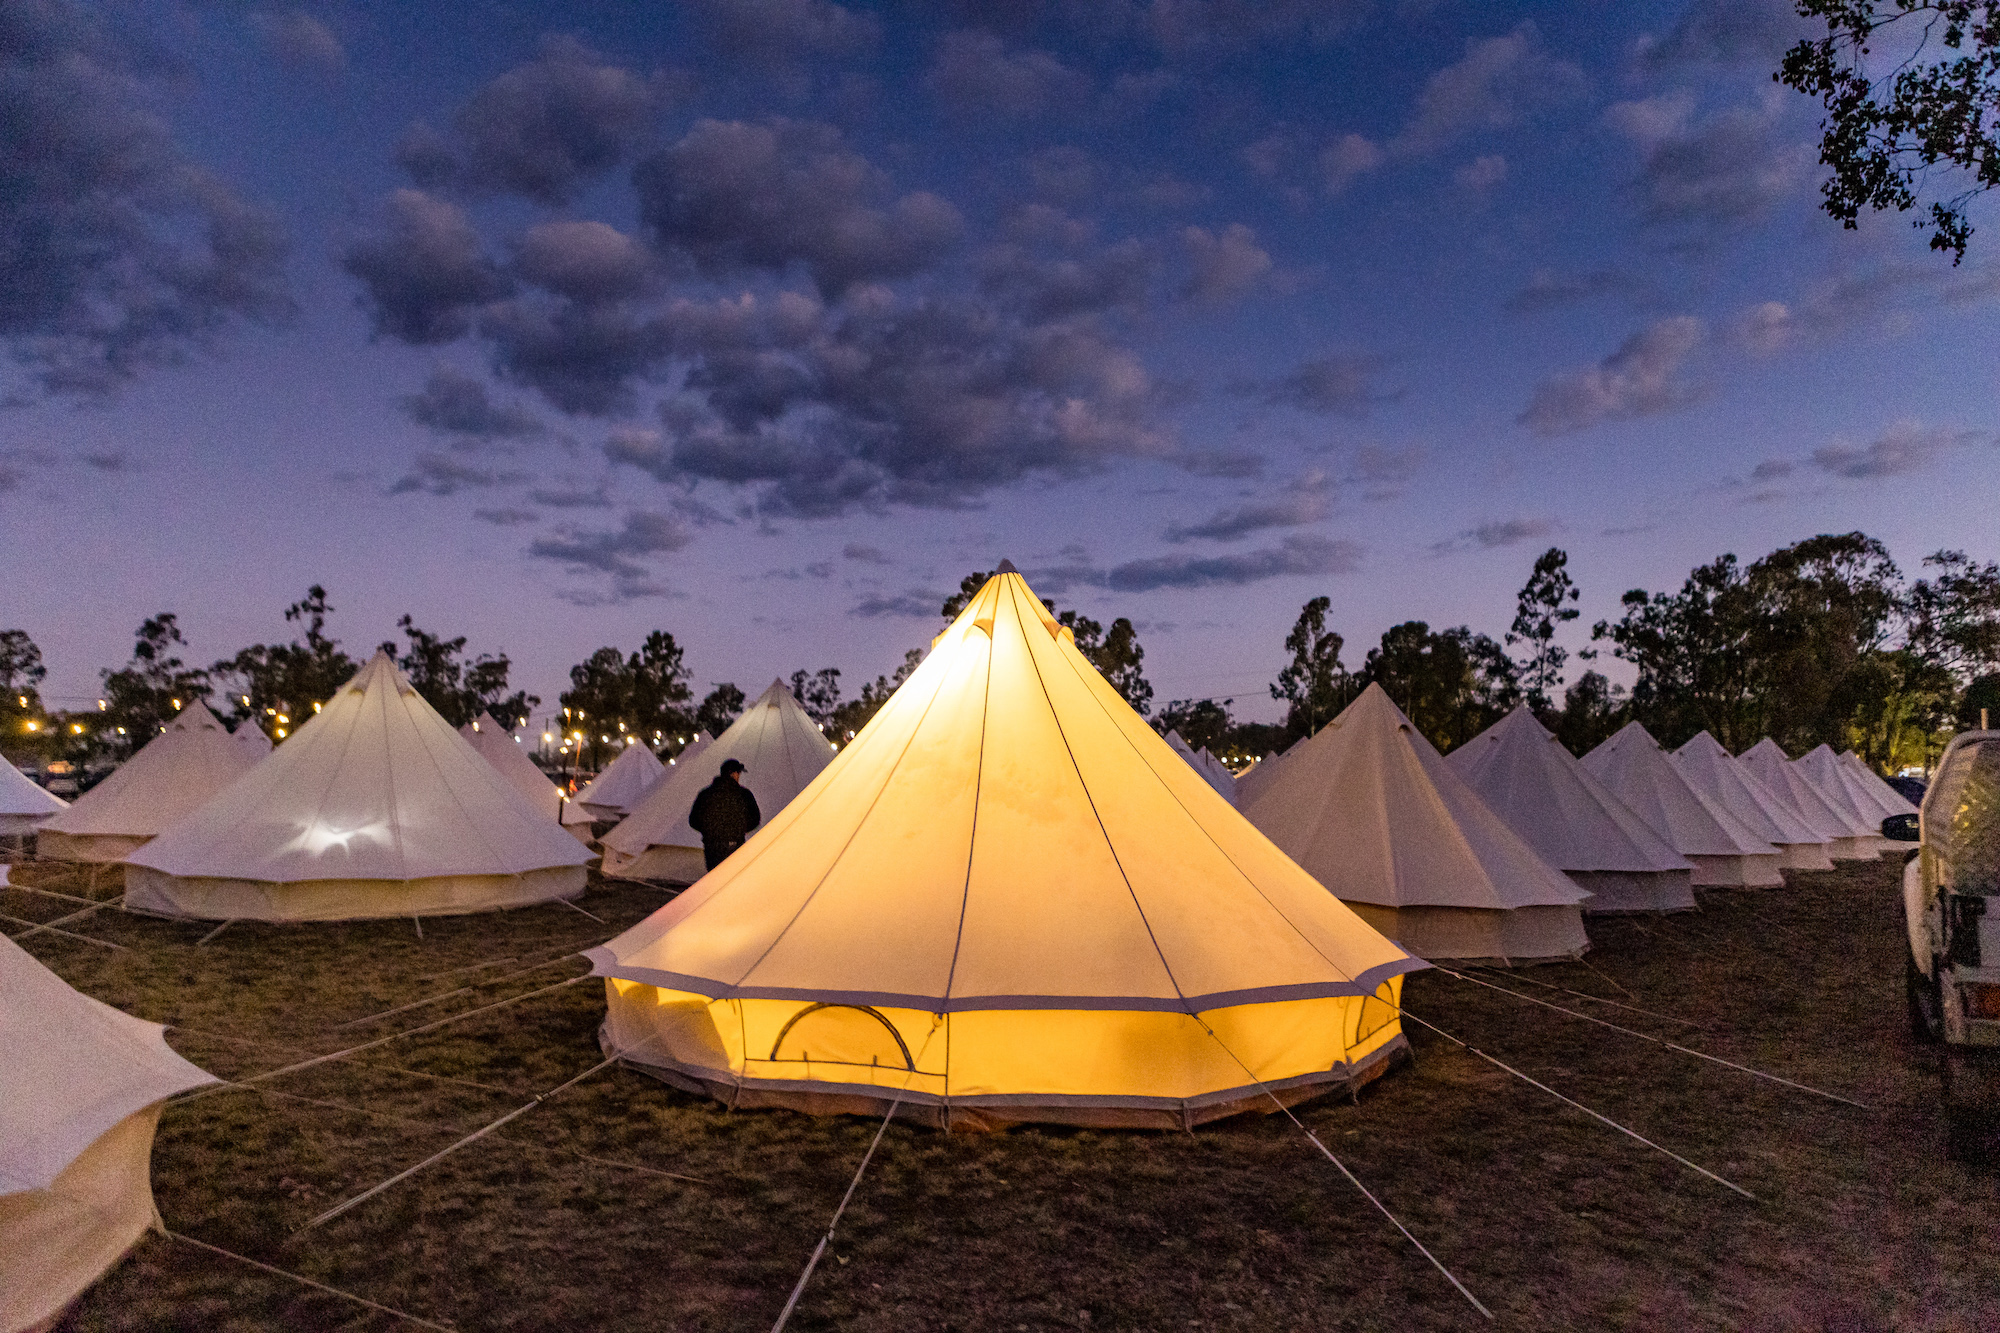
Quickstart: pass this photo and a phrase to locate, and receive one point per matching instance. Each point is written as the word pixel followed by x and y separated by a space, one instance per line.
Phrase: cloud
pixel 108 461
pixel 1226 264
pixel 1063 174
pixel 975 74
pixel 1639 379
pixel 426 272
pixel 585 261
pixel 10 478
pixel 777 35
pixel 571 496
pixel 446 474
pixel 1488 536
pixel 300 40
pixel 1232 463
pixel 1726 32
pixel 1297 555
pixel 454 403
pixel 732 196
pixel 1765 328
pixel 1482 174
pixel 1347 157
pixel 617 553
pixel 1340 383
pixel 1495 87
pixel 908 606
pixel 1548 290
pixel 1728 168
pixel 1305 499
pixel 541 130
pixel 1906 447
pixel 1045 286
pixel 867 555
pixel 1771 469
pixel 506 518
pixel 120 254
pixel 1384 468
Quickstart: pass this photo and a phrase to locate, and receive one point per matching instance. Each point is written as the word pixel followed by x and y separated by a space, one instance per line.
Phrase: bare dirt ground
pixel 576 1215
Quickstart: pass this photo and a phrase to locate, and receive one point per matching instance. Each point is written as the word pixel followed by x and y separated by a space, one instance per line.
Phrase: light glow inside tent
pixel 1007 899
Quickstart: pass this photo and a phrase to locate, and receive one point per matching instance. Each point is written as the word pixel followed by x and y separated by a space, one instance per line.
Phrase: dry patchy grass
pixel 564 1220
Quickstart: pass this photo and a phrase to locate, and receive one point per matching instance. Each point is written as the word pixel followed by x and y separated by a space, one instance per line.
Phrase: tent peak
pixel 1006 567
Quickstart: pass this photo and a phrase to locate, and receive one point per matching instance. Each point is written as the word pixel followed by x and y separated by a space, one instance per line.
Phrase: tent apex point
pixel 1006 567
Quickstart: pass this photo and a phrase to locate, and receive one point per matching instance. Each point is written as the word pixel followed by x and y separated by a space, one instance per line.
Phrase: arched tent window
pixel 848 1034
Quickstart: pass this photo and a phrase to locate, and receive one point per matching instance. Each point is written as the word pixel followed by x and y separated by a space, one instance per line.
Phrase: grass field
pixel 576 1215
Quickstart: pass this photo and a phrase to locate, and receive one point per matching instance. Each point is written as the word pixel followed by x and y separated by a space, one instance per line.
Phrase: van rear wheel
pixel 1926 1005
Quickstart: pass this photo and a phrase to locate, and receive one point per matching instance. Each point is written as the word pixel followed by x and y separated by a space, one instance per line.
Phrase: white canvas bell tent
pixel 1715 773
pixel 781 749
pixel 1887 799
pixel 23 805
pixel 251 737
pixel 191 760
pixel 1525 776
pixel 1007 899
pixel 1846 839
pixel 624 783
pixel 498 747
pixel 1213 770
pixel 1370 809
pixel 374 807
pixel 1725 852
pixel 80 1091
pixel 1257 777
pixel 1833 780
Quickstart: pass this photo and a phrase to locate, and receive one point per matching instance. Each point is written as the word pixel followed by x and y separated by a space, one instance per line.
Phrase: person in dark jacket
pixel 725 813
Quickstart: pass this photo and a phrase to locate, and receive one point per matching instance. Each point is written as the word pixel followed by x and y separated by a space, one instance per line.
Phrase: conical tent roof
pixel 74 1068
pixel 80 1091
pixel 372 795
pixel 1013 877
pixel 507 755
pixel 1638 772
pixel 1767 762
pixel 1523 773
pixel 1212 770
pixel 1714 772
pixel 781 749
pixel 191 760
pixel 1371 809
pixel 624 782
pixel 1886 798
pixel 251 736
pixel 23 805
pixel 1836 782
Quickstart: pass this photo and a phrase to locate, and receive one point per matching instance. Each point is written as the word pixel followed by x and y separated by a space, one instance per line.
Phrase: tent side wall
pixel 150 890
pixel 1108 1068
pixel 54 845
pixel 666 865
pixel 1469 934
pixel 1636 891
pixel 1804 856
pixel 55 1243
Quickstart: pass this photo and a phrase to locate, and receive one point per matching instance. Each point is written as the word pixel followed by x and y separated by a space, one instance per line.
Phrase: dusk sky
pixel 763 321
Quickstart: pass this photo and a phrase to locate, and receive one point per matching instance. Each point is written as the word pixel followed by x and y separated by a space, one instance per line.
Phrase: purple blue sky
pixel 763 321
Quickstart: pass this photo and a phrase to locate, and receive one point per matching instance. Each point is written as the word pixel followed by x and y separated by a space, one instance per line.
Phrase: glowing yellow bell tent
pixel 191 760
pixel 375 807
pixel 1006 900
pixel 81 1086
pixel 1370 808
pixel 781 749
pixel 507 755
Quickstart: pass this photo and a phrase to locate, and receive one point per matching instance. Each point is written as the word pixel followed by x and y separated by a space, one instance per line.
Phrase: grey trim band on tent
pixel 605 964
pixel 702 1079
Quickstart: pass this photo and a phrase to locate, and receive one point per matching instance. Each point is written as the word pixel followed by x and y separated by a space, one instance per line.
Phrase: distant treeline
pixel 1823 640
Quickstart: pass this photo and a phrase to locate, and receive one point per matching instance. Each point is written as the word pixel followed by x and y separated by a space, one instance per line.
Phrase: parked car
pixel 1951 907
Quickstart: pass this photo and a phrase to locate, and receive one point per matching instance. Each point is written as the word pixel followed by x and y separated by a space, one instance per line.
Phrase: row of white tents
pixel 1007 899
